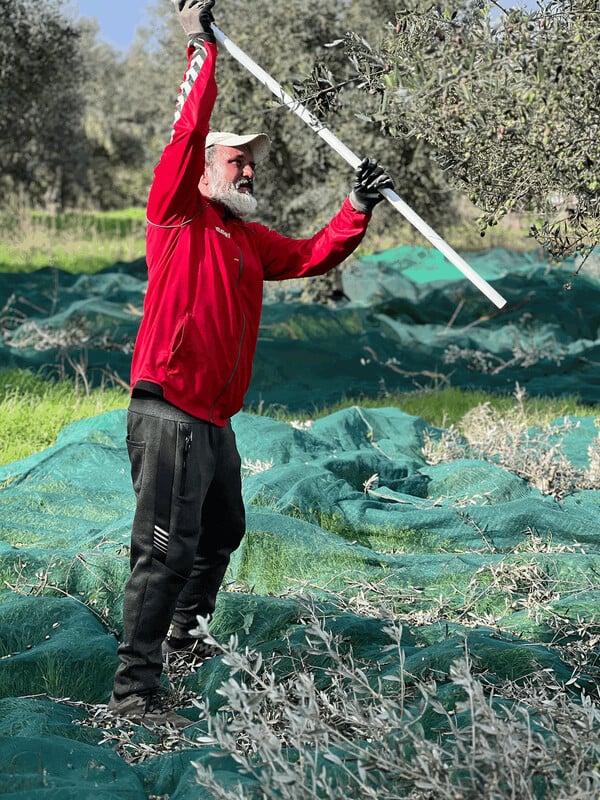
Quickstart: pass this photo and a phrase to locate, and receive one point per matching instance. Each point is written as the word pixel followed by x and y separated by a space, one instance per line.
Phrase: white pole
pixel 352 159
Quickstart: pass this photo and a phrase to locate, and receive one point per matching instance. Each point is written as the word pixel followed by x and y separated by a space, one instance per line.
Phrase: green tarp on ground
pixel 405 324
pixel 472 556
pixel 65 516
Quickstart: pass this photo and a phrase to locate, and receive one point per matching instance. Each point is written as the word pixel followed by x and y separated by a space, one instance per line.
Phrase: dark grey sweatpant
pixel 189 518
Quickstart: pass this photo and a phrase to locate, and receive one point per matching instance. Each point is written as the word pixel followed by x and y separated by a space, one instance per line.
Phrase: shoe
pixel 188 653
pixel 149 709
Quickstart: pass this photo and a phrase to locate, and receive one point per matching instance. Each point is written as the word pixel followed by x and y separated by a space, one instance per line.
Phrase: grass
pixel 33 410
pixel 447 406
pixel 77 242
pixel 85 242
pixel 524 445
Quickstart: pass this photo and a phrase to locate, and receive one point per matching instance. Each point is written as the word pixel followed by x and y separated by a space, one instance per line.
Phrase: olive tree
pixel 40 100
pixel 119 117
pixel 508 102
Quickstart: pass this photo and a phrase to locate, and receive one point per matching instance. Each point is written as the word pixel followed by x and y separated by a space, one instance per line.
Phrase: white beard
pixel 242 204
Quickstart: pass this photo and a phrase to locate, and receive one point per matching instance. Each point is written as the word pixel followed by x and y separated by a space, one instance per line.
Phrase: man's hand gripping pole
pixel 352 159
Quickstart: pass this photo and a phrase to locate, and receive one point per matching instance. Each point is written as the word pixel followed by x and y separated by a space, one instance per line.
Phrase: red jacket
pixel 202 308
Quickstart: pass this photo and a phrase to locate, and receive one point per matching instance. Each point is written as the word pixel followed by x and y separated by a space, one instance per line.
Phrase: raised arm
pixel 283 257
pixel 174 196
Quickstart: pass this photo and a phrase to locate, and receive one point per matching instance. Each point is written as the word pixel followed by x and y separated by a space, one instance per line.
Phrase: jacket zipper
pixel 241 269
pixel 239 352
pixel 233 371
pixel 186 449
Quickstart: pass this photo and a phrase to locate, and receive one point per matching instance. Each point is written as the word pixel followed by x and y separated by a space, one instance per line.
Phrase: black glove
pixel 196 17
pixel 369 180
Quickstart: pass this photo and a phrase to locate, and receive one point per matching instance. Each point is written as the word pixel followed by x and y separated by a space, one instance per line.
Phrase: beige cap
pixel 260 143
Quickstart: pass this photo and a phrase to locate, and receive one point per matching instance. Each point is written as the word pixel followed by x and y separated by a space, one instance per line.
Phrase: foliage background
pixel 498 104
pixel 507 102
pixel 95 121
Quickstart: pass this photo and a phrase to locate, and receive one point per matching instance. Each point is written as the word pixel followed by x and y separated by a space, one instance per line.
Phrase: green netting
pixel 410 320
pixel 473 557
pixel 51 768
pixel 425 265
pixel 63 558
pixel 174 776
pixel 39 638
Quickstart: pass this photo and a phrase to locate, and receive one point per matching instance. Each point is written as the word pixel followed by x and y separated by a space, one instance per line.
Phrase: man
pixel 192 366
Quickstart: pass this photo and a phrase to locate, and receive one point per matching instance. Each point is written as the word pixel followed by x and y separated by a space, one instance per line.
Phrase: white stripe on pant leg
pixel 161 539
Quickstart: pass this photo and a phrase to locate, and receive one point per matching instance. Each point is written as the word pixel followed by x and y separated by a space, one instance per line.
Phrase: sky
pixel 118 19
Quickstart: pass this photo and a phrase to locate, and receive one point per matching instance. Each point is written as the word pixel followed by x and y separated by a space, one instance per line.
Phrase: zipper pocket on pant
pixel 187 443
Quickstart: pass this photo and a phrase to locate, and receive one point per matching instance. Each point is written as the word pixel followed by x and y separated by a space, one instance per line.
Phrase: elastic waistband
pixel 156 407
